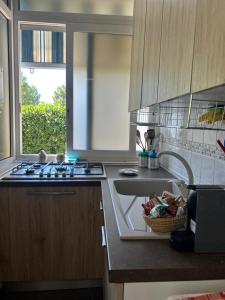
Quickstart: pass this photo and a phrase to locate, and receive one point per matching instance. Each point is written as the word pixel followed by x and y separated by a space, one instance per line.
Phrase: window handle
pixel 101 205
pixel 103 236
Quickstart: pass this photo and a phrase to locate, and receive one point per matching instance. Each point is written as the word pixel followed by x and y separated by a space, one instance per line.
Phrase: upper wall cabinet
pixel 146 53
pixel 153 32
pixel 162 50
pixel 137 59
pixel 209 51
pixel 177 43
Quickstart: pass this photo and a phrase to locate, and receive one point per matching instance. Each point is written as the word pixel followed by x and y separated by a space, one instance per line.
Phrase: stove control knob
pixel 71 174
pixel 48 174
pixel 56 174
pixel 87 171
pixel 64 174
pixel 41 174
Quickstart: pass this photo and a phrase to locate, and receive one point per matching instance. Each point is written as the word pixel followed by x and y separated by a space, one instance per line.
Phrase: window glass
pixel 43 92
pixel 4 91
pixel 105 7
pixel 101 91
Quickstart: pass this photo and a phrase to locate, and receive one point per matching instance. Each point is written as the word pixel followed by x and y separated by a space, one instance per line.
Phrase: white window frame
pixel 7 13
pixel 73 23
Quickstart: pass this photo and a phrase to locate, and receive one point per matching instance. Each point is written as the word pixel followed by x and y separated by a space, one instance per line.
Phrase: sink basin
pixel 141 187
pixel 127 196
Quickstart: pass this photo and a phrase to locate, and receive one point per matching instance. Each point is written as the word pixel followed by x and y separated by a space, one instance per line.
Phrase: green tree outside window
pixel 30 95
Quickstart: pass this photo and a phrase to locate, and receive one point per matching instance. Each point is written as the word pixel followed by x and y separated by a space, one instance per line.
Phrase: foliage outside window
pixel 43 124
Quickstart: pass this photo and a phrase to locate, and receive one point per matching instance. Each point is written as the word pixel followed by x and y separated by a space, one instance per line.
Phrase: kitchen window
pixel 97 53
pixel 99 69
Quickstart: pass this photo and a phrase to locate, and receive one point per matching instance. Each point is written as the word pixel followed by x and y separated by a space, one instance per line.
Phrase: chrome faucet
pixel 180 183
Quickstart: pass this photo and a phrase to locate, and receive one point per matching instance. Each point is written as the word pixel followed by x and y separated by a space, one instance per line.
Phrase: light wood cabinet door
pixel 178 30
pixel 209 50
pixel 137 58
pixel 152 52
pixel 4 234
pixel 54 234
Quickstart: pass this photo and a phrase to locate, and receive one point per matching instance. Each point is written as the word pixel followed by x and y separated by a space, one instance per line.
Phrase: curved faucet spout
pixel 183 161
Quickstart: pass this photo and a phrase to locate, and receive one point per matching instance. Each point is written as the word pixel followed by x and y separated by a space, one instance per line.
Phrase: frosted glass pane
pixel 101 91
pixel 4 91
pixel 103 7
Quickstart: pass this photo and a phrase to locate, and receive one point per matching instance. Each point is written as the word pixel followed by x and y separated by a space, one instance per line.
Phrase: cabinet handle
pixel 101 205
pixel 51 193
pixel 103 236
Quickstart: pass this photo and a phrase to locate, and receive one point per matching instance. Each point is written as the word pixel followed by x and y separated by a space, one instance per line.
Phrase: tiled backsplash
pixel 200 149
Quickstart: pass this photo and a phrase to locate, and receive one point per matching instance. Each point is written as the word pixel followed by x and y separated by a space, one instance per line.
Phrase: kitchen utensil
pixel 138 140
pixel 221 145
pixel 146 140
pixel 138 134
pixel 139 143
pixel 151 135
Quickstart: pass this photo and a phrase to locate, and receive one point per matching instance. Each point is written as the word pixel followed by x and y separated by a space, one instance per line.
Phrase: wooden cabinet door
pixel 137 58
pixel 55 233
pixel 209 50
pixel 178 29
pixel 4 234
pixel 152 52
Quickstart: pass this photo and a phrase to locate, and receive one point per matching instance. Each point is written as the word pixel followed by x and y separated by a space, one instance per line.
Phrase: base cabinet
pixel 50 233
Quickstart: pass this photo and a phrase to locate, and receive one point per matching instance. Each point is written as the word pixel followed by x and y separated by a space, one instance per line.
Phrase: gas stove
pixel 55 171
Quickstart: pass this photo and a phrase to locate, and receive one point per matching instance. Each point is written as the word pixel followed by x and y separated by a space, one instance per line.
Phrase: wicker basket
pixel 164 225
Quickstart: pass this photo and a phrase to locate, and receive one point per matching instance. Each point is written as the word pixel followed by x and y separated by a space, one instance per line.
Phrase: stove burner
pixel 29 171
pixel 57 171
pixel 61 168
pixel 36 166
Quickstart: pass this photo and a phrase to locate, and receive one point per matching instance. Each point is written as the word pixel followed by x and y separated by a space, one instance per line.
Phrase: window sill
pixel 6 165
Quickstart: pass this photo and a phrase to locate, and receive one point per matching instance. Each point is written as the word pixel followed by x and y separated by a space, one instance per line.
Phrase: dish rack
pixel 148 116
pixel 189 112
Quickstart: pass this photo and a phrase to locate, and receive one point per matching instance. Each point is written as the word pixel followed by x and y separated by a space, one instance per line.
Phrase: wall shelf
pixel 195 111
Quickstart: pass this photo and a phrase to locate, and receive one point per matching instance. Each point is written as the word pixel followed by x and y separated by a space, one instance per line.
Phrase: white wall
pixel 199 148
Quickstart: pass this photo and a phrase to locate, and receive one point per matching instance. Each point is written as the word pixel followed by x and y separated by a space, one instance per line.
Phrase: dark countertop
pixel 152 260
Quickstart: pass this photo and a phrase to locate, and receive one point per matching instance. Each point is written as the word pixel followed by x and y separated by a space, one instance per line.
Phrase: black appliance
pixel 205 229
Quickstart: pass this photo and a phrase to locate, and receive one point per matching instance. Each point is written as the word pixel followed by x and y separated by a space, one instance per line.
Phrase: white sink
pixel 127 197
